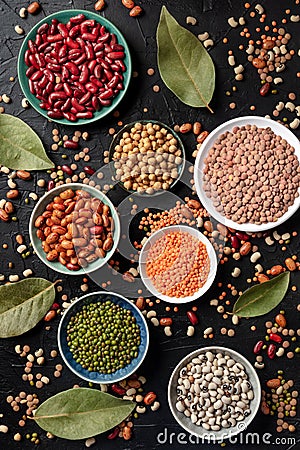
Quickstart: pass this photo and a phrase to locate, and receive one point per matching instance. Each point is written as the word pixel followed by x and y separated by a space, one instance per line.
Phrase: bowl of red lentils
pixel 178 264
pixel 247 174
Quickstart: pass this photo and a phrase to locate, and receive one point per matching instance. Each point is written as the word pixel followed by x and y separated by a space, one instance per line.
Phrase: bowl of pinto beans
pixel 74 67
pixel 74 229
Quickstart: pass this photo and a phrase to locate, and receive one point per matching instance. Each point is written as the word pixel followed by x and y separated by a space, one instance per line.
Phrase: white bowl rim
pixel 259 121
pixel 211 253
pixel 250 371
pixel 75 186
pixel 78 301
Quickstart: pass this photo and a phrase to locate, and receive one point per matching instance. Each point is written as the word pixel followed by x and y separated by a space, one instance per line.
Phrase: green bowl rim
pixel 56 265
pixel 117 137
pixel 21 64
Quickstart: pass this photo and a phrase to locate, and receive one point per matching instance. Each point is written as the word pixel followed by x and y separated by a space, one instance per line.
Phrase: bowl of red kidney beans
pixel 74 67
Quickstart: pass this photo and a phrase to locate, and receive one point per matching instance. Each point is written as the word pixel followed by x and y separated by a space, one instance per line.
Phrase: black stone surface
pixel 164 353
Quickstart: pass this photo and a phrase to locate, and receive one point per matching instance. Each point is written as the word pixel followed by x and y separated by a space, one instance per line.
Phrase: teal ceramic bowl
pixel 98 377
pixel 64 16
pixel 37 243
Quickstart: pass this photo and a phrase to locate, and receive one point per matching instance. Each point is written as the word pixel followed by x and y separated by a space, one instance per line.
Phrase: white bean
pixel 295 18
pixel 190 331
pixel 255 257
pixel 168 331
pixel 236 272
pixel 232 22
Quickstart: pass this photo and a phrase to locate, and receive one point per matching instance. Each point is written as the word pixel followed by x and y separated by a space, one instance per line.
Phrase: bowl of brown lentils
pixel 74 229
pixel 147 157
pixel 247 174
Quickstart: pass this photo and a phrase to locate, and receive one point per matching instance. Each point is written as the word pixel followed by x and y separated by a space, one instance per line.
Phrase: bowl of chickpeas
pixel 178 264
pixel 147 157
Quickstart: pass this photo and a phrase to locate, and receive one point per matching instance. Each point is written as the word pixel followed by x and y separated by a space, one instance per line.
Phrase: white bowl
pixel 261 122
pixel 162 232
pixel 198 430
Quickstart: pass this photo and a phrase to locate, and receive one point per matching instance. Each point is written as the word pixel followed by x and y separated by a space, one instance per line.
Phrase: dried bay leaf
pixel 24 304
pixel 185 66
pixel 20 146
pixel 262 298
pixel 81 413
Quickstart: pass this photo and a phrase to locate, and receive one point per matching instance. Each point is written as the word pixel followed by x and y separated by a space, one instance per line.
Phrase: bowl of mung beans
pixel 178 264
pixel 103 337
pixel 147 157
pixel 247 174
pixel 214 393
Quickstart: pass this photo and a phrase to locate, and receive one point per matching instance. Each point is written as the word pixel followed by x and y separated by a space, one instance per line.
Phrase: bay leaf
pixel 184 65
pixel 262 298
pixel 24 304
pixel 20 146
pixel 81 413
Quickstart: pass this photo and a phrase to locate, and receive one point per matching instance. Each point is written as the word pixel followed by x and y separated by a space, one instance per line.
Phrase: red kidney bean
pixel 50 185
pixel 192 317
pixel 43 82
pixel 32 46
pixel 58 104
pixel 49 88
pixel 120 63
pixel 45 105
pixel 55 38
pixel 97 71
pixel 89 170
pixel 71 43
pixel 114 434
pixel 65 74
pixel 116 55
pixel 71 144
pixel 89 23
pixel 95 103
pixel 235 243
pixel 69 116
pixel 91 87
pixel 26 58
pixel 80 60
pixel 67 105
pixel 40 59
pixel 271 351
pixel 120 87
pixel 105 102
pixel 86 97
pixel 49 75
pixel 77 19
pixel 113 40
pixel 118 389
pixel 45 47
pixel 97 82
pixel 58 87
pixel 30 71
pixel 63 51
pixel 77 106
pixel 61 95
pixel 33 61
pixel 55 114
pixel 117 47
pixel 257 347
pixel 242 236
pixel 113 82
pixel 275 337
pixel 108 74
pixel 63 30
pixel 67 89
pixel 84 115
pixel 56 68
pixel 104 38
pixel 84 75
pixel 76 52
pixel 106 94
pixel 43 28
pixel 67 169
pixel 31 86
pixel 74 31
pixel 72 68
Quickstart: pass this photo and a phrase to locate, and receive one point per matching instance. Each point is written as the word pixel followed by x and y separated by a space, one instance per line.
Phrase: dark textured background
pixel 164 352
